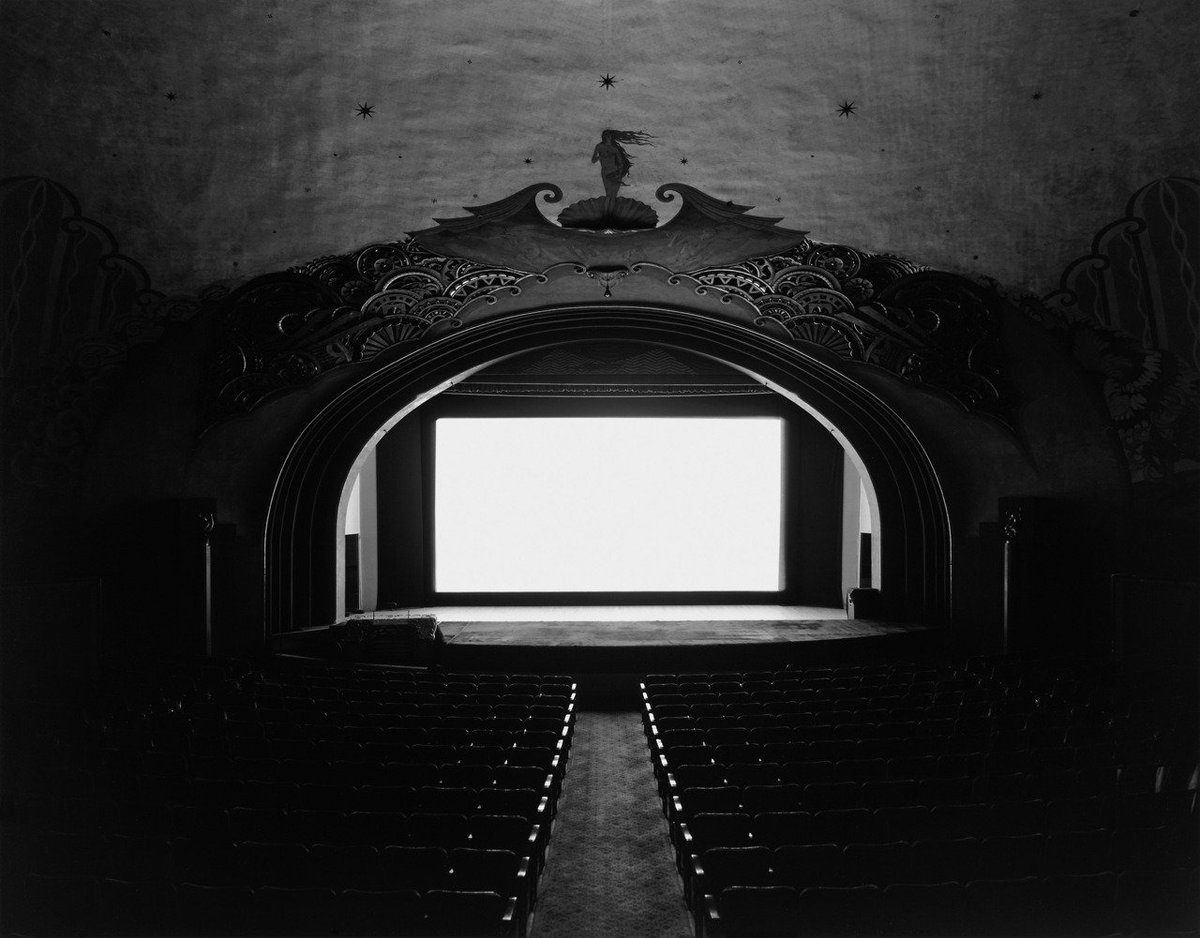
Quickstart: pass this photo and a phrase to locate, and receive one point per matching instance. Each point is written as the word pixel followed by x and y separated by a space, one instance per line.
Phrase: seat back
pixel 759 911
pixel 488 870
pixel 841 910
pixel 417 868
pixel 805 865
pixel 462 912
pixel 735 866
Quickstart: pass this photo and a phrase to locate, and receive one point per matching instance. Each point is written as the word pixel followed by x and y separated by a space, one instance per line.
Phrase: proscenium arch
pixel 302 551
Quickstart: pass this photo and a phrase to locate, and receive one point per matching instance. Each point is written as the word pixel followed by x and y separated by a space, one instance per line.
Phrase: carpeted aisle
pixel 611 871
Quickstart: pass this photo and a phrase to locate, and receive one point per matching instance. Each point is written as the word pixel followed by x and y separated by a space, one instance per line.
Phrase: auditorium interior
pixel 691 470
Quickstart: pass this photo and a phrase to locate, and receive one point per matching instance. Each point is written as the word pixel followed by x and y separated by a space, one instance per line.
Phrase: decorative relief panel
pixel 1130 314
pixel 284 330
pixel 75 306
pixel 71 309
pixel 932 329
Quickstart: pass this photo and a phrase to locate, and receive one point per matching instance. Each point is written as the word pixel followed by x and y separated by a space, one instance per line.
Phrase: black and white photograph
pixel 599 468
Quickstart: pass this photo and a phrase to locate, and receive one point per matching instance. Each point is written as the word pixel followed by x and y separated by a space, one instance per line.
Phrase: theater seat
pixel 1082 905
pixel 381 828
pixel 1077 852
pixel 840 910
pixel 213 910
pixel 931 909
pixel 1156 902
pixel 524 802
pixel 438 830
pixel 781 828
pixel 64 906
pixel 380 913
pixel 805 865
pixel 272 864
pixel 305 913
pixel 720 799
pixel 758 912
pixel 346 866
pixel 416 868
pixel 759 799
pixel 500 871
pixel 880 864
pixel 721 867
pixel 1007 907
pixel 455 913
pixel 717 829
pixel 507 832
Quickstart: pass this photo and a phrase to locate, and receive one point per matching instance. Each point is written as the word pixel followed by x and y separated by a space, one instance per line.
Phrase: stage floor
pixel 674 633
pixel 641 627
pixel 677 613
pixel 608 648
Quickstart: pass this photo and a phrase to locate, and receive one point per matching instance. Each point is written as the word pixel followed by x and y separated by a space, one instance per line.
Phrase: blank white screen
pixel 591 504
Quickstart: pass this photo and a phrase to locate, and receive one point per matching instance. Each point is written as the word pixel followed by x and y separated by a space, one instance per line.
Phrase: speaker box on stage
pixel 864 604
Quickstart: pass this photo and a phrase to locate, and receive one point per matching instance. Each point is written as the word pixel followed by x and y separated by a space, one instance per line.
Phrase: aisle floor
pixel 611 869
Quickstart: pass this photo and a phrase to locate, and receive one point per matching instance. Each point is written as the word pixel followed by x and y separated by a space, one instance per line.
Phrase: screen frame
pixel 733 405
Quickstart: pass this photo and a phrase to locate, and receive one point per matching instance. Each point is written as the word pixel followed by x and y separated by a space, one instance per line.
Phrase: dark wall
pixel 400 470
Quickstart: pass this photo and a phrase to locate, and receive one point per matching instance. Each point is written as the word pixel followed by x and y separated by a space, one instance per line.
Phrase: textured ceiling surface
pixel 220 140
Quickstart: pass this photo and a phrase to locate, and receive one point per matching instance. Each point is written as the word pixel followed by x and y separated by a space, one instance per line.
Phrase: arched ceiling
pixel 223 140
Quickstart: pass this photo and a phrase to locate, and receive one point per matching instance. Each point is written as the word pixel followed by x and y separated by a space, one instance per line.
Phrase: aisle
pixel 611 871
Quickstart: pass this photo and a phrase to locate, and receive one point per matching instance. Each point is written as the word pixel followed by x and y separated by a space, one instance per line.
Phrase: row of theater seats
pixel 1020 797
pixel 114 907
pixel 1099 905
pixel 298 799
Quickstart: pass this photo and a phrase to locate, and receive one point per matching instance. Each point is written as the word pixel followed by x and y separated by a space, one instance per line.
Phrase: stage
pixel 622 643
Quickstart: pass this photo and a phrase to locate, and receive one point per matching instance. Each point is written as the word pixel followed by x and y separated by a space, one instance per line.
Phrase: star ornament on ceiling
pixel 846 108
pixel 365 110
pixel 607 81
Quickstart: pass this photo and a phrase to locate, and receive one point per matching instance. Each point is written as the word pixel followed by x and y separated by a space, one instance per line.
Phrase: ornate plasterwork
pixel 932 329
pixel 284 330
pixel 514 232
pixel 1130 314
pixel 72 310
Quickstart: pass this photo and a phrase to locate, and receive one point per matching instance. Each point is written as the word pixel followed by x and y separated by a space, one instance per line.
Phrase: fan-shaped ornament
pixel 827 332
pixel 626 215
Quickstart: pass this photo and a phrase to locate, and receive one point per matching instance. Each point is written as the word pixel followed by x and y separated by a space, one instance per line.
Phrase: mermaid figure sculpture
pixel 612 212
pixel 614 162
